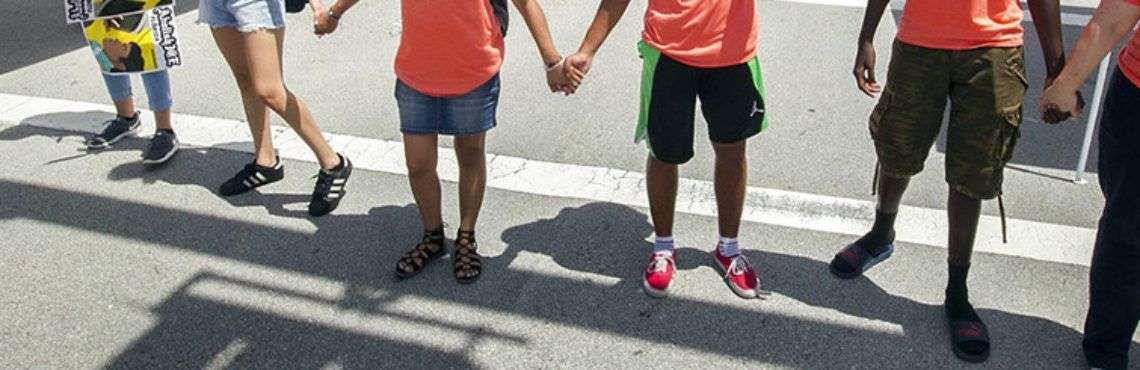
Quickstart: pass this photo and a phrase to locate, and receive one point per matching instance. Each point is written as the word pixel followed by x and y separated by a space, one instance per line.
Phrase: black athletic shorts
pixel 732 101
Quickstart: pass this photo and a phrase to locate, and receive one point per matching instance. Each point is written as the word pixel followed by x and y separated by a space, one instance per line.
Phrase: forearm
pixel 871 18
pixel 536 21
pixel 609 13
pixel 1113 21
pixel 1047 21
pixel 342 6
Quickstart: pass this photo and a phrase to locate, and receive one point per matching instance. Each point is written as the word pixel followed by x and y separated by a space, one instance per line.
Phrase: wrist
pixel 551 60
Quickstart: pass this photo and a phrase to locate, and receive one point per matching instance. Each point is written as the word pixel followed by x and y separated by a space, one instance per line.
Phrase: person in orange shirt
pixel 448 84
pixel 692 49
pixel 1114 277
pixel 972 55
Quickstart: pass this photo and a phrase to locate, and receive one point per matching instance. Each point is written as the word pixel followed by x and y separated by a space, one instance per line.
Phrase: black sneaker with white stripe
pixel 251 177
pixel 162 147
pixel 330 188
pixel 115 130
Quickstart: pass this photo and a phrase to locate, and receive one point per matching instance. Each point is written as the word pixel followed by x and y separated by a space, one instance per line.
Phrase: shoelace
pixel 660 263
pixel 738 266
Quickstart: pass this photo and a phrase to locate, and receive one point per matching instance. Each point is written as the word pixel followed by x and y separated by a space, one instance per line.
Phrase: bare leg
pixel 125 108
pixel 162 120
pixel 731 183
pixel 232 47
pixel 263 52
pixel 472 178
pixel 420 154
pixel 661 183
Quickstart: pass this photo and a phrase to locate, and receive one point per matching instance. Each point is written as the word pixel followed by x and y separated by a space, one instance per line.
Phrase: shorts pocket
pixel 1008 137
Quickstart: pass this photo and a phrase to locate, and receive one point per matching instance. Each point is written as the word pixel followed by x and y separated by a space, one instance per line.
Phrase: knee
pixel 270 94
pixel 420 169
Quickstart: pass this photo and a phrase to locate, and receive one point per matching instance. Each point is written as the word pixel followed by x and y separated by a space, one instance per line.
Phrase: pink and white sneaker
pixel 659 274
pixel 739 274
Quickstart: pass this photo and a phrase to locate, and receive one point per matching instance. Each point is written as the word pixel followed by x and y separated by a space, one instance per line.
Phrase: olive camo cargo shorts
pixel 985 88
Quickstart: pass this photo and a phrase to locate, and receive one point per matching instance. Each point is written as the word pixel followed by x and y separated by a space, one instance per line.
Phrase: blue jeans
pixel 157 86
pixel 1114 278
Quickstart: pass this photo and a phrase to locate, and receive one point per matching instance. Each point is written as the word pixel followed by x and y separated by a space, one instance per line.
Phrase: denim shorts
pixel 471 113
pixel 244 15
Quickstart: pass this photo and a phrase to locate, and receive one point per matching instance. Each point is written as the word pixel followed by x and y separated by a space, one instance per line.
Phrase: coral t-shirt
pixel 448 47
pixel 967 24
pixel 703 33
pixel 1130 56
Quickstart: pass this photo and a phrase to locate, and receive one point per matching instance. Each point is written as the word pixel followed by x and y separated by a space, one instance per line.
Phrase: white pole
pixel 1094 115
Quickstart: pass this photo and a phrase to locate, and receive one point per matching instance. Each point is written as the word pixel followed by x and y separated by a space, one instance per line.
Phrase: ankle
pixel 664 244
pixel 728 247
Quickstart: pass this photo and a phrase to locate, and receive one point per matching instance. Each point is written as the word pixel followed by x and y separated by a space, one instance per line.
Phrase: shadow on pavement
pixel 359 252
pixel 34 31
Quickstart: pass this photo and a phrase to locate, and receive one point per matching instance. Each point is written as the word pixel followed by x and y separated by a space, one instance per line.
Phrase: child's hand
pixel 557 80
pixel 865 70
pixel 323 23
pixel 577 66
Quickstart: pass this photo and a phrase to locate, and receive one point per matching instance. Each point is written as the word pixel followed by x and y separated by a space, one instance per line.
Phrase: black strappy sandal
pixel 414 261
pixel 468 266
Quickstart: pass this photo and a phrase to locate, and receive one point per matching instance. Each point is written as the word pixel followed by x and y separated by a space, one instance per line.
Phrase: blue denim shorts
pixel 245 15
pixel 471 113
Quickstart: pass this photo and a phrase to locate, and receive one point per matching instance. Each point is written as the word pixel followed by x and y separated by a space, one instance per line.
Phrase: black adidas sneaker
pixel 251 177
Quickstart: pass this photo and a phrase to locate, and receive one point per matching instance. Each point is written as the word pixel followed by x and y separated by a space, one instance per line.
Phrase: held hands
pixel 557 80
pixel 323 22
pixel 567 75
pixel 1060 103
pixel 865 70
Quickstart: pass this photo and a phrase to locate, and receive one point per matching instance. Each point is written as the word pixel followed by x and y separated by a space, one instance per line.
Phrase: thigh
pixel 670 106
pixel 231 45
pixel 731 102
pixel 908 117
pixel 986 98
pixel 263 52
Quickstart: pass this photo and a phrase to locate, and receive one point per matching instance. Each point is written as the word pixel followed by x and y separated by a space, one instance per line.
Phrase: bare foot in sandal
pixel 467 262
pixel 414 261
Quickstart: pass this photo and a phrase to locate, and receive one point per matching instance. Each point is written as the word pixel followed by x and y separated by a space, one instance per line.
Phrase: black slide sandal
pixel 859 258
pixel 969 331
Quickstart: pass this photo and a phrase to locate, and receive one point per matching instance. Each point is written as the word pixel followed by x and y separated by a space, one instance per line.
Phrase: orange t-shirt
pixel 1130 56
pixel 448 47
pixel 967 24
pixel 703 33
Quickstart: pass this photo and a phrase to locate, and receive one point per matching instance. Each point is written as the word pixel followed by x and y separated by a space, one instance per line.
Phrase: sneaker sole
pixel 164 158
pixel 741 293
pixel 870 263
pixel 107 144
pixel 650 291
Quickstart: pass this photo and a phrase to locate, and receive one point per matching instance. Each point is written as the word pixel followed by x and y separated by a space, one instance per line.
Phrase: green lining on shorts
pixel 650 56
pixel 758 81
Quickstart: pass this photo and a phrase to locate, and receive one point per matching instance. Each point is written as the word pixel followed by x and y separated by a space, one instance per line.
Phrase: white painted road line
pixel 1028 239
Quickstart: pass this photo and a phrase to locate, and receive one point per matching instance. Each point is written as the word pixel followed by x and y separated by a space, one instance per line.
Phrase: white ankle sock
pixel 728 247
pixel 664 244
